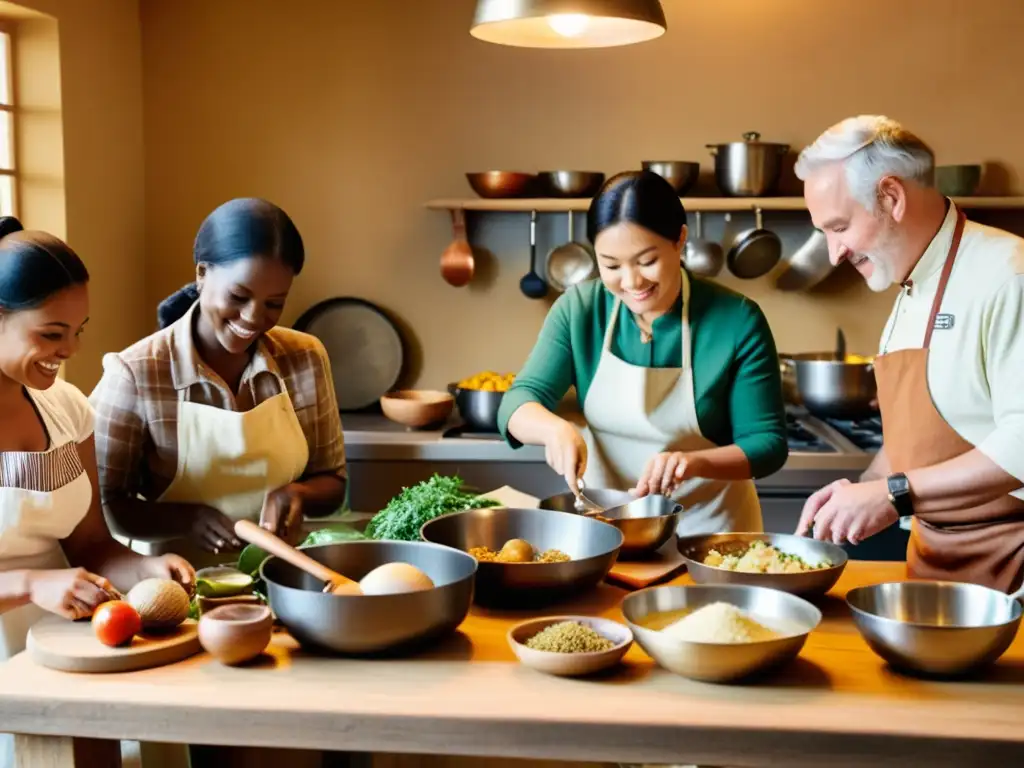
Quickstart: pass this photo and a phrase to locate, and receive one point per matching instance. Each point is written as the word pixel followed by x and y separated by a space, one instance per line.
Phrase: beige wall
pixel 100 181
pixel 351 115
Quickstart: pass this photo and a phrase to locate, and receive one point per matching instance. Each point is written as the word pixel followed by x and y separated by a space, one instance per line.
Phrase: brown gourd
pixel 161 603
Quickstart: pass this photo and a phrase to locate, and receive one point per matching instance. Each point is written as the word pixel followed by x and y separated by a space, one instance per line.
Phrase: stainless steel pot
pixel 830 388
pixel 748 168
pixel 477 407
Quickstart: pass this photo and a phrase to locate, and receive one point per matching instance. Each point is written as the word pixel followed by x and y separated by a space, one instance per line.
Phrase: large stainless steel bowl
pixel 933 627
pixel 366 624
pixel 646 523
pixel 833 389
pixel 592 545
pixel 695 548
pixel 788 614
pixel 681 174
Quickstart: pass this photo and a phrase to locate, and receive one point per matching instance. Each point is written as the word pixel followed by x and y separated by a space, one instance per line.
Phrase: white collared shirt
pixel 976 364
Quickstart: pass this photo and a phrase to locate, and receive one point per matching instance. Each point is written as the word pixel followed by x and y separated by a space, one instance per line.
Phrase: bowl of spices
pixel 570 645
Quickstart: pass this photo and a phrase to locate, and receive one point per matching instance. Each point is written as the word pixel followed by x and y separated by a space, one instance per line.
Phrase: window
pixel 8 168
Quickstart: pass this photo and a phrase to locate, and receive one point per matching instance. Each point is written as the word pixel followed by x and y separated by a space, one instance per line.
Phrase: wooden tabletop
pixel 838 704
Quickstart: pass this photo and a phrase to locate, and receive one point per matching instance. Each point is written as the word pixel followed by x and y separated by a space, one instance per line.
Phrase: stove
pixel 866 434
pixel 463 431
pixel 803 440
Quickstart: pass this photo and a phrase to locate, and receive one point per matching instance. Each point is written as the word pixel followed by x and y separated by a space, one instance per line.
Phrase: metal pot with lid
pixel 748 168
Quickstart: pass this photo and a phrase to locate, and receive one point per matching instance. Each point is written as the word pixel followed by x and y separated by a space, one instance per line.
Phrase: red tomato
pixel 116 623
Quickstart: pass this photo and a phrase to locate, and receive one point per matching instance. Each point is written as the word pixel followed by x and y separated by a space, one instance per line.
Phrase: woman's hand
pixel 170 566
pixel 665 472
pixel 212 530
pixel 566 453
pixel 73 593
pixel 282 512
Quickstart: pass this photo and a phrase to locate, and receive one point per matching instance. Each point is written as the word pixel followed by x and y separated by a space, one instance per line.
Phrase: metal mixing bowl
pixel 681 174
pixel 817 582
pixel 592 545
pixel 934 627
pixel 500 184
pixel 646 523
pixel 722 662
pixel 359 624
pixel 570 183
pixel 477 407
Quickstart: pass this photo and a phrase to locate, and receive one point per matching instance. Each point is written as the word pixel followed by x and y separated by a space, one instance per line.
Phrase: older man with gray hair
pixel 950 368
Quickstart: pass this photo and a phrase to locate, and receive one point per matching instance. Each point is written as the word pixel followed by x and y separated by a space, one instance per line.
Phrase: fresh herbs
pixel 402 518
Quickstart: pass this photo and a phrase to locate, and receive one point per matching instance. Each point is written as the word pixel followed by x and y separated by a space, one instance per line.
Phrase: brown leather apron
pixel 982 544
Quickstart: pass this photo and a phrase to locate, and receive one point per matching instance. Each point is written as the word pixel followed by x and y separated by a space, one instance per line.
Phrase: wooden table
pixel 837 705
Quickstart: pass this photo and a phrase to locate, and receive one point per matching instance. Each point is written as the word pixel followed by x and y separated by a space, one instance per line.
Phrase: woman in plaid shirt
pixel 221 414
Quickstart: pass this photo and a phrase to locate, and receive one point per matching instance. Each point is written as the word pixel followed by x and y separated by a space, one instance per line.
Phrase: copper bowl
pixel 499 184
pixel 570 183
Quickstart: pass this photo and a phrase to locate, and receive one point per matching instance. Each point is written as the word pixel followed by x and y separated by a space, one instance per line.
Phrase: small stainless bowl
pixel 501 184
pixel 722 662
pixel 370 624
pixel 570 183
pixel 646 523
pixel 592 545
pixel 935 628
pixel 681 174
pixel 817 582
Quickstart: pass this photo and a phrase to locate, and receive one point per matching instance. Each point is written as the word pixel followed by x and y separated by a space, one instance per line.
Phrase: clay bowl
pixel 417 408
pixel 236 633
pixel 570 664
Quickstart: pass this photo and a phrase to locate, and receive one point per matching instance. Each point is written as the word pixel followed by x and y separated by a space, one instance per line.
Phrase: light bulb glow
pixel 569 24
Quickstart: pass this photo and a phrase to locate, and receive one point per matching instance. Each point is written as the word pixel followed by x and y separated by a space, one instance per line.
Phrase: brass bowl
pixel 570 183
pixel 500 184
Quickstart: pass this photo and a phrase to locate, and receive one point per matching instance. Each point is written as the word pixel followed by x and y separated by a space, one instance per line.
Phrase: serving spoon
pixel 334 582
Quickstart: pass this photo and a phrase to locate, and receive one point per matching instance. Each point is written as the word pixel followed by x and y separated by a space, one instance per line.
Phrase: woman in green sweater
pixel 678 377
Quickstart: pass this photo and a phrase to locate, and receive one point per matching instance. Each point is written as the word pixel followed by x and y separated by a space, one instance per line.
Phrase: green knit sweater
pixel 737 384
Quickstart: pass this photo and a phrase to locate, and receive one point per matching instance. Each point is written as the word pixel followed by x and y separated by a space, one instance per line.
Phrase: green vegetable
pixel 402 518
pixel 331 535
pixel 250 559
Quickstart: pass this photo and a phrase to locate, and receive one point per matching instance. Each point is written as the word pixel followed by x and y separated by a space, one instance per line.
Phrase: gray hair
pixel 870 146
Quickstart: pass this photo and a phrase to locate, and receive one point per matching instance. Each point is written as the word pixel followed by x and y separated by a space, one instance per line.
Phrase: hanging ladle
pixel 457 260
pixel 532 285
pixel 334 582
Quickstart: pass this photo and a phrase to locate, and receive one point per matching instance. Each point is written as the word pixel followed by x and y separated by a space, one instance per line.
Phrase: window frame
pixel 9 28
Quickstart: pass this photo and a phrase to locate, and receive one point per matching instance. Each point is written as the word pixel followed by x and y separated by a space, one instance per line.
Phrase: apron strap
pixel 947 270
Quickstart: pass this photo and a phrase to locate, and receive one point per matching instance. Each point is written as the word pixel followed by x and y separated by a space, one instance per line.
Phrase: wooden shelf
pixel 550 204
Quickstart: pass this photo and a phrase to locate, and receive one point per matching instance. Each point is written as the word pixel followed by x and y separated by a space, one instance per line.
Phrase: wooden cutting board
pixel 637 574
pixel 71 646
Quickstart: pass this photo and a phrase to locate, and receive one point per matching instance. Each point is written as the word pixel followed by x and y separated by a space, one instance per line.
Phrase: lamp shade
pixel 568 23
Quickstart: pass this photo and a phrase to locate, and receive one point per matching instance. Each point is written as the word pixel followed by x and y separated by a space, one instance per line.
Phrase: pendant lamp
pixel 568 23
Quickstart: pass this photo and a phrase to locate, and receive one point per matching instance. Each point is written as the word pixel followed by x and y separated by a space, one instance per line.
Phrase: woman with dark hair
pixel 222 415
pixel 678 376
pixel 56 554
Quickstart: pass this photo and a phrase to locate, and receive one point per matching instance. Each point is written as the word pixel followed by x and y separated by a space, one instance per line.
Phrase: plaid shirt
pixel 136 403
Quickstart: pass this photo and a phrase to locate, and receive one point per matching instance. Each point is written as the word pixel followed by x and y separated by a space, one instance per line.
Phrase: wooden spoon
pixel 457 260
pixel 334 582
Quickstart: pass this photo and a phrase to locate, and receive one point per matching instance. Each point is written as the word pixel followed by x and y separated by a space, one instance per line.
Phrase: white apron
pixel 230 461
pixel 32 525
pixel 633 413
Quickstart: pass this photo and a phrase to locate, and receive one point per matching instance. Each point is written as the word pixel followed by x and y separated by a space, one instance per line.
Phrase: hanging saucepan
pixel 702 257
pixel 807 266
pixel 754 252
pixel 570 263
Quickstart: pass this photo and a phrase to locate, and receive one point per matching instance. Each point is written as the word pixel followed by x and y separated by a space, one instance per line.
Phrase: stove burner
pixel 866 434
pixel 802 440
pixel 463 431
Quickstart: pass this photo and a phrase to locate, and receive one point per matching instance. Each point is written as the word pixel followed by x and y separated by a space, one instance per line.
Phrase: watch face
pixel 899 484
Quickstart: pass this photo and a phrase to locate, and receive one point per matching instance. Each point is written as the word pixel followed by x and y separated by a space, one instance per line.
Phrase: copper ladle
pixel 457 259
pixel 334 582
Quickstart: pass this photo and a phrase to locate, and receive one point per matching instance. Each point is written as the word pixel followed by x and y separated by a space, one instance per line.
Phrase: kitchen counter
pixel 836 705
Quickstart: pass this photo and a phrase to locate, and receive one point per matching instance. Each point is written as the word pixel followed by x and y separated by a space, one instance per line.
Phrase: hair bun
pixel 9 225
pixel 175 306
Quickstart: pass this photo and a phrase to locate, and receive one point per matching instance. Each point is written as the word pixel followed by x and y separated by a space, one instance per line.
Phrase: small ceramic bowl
pixel 235 634
pixel 417 408
pixel 570 664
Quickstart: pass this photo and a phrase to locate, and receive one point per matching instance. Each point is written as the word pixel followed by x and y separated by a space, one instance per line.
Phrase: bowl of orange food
pixel 478 398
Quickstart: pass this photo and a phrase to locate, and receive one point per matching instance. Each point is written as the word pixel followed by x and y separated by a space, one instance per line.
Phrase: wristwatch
pixel 899 494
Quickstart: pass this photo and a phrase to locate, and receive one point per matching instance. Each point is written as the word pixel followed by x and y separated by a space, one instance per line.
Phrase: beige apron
pixel 230 461
pixel 633 413
pixel 32 525
pixel 982 544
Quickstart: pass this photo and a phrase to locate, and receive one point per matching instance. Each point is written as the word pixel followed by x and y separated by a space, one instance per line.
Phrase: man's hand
pixel 282 513
pixel 848 512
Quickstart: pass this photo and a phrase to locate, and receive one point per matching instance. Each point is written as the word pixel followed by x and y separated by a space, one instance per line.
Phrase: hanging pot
pixel 754 252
